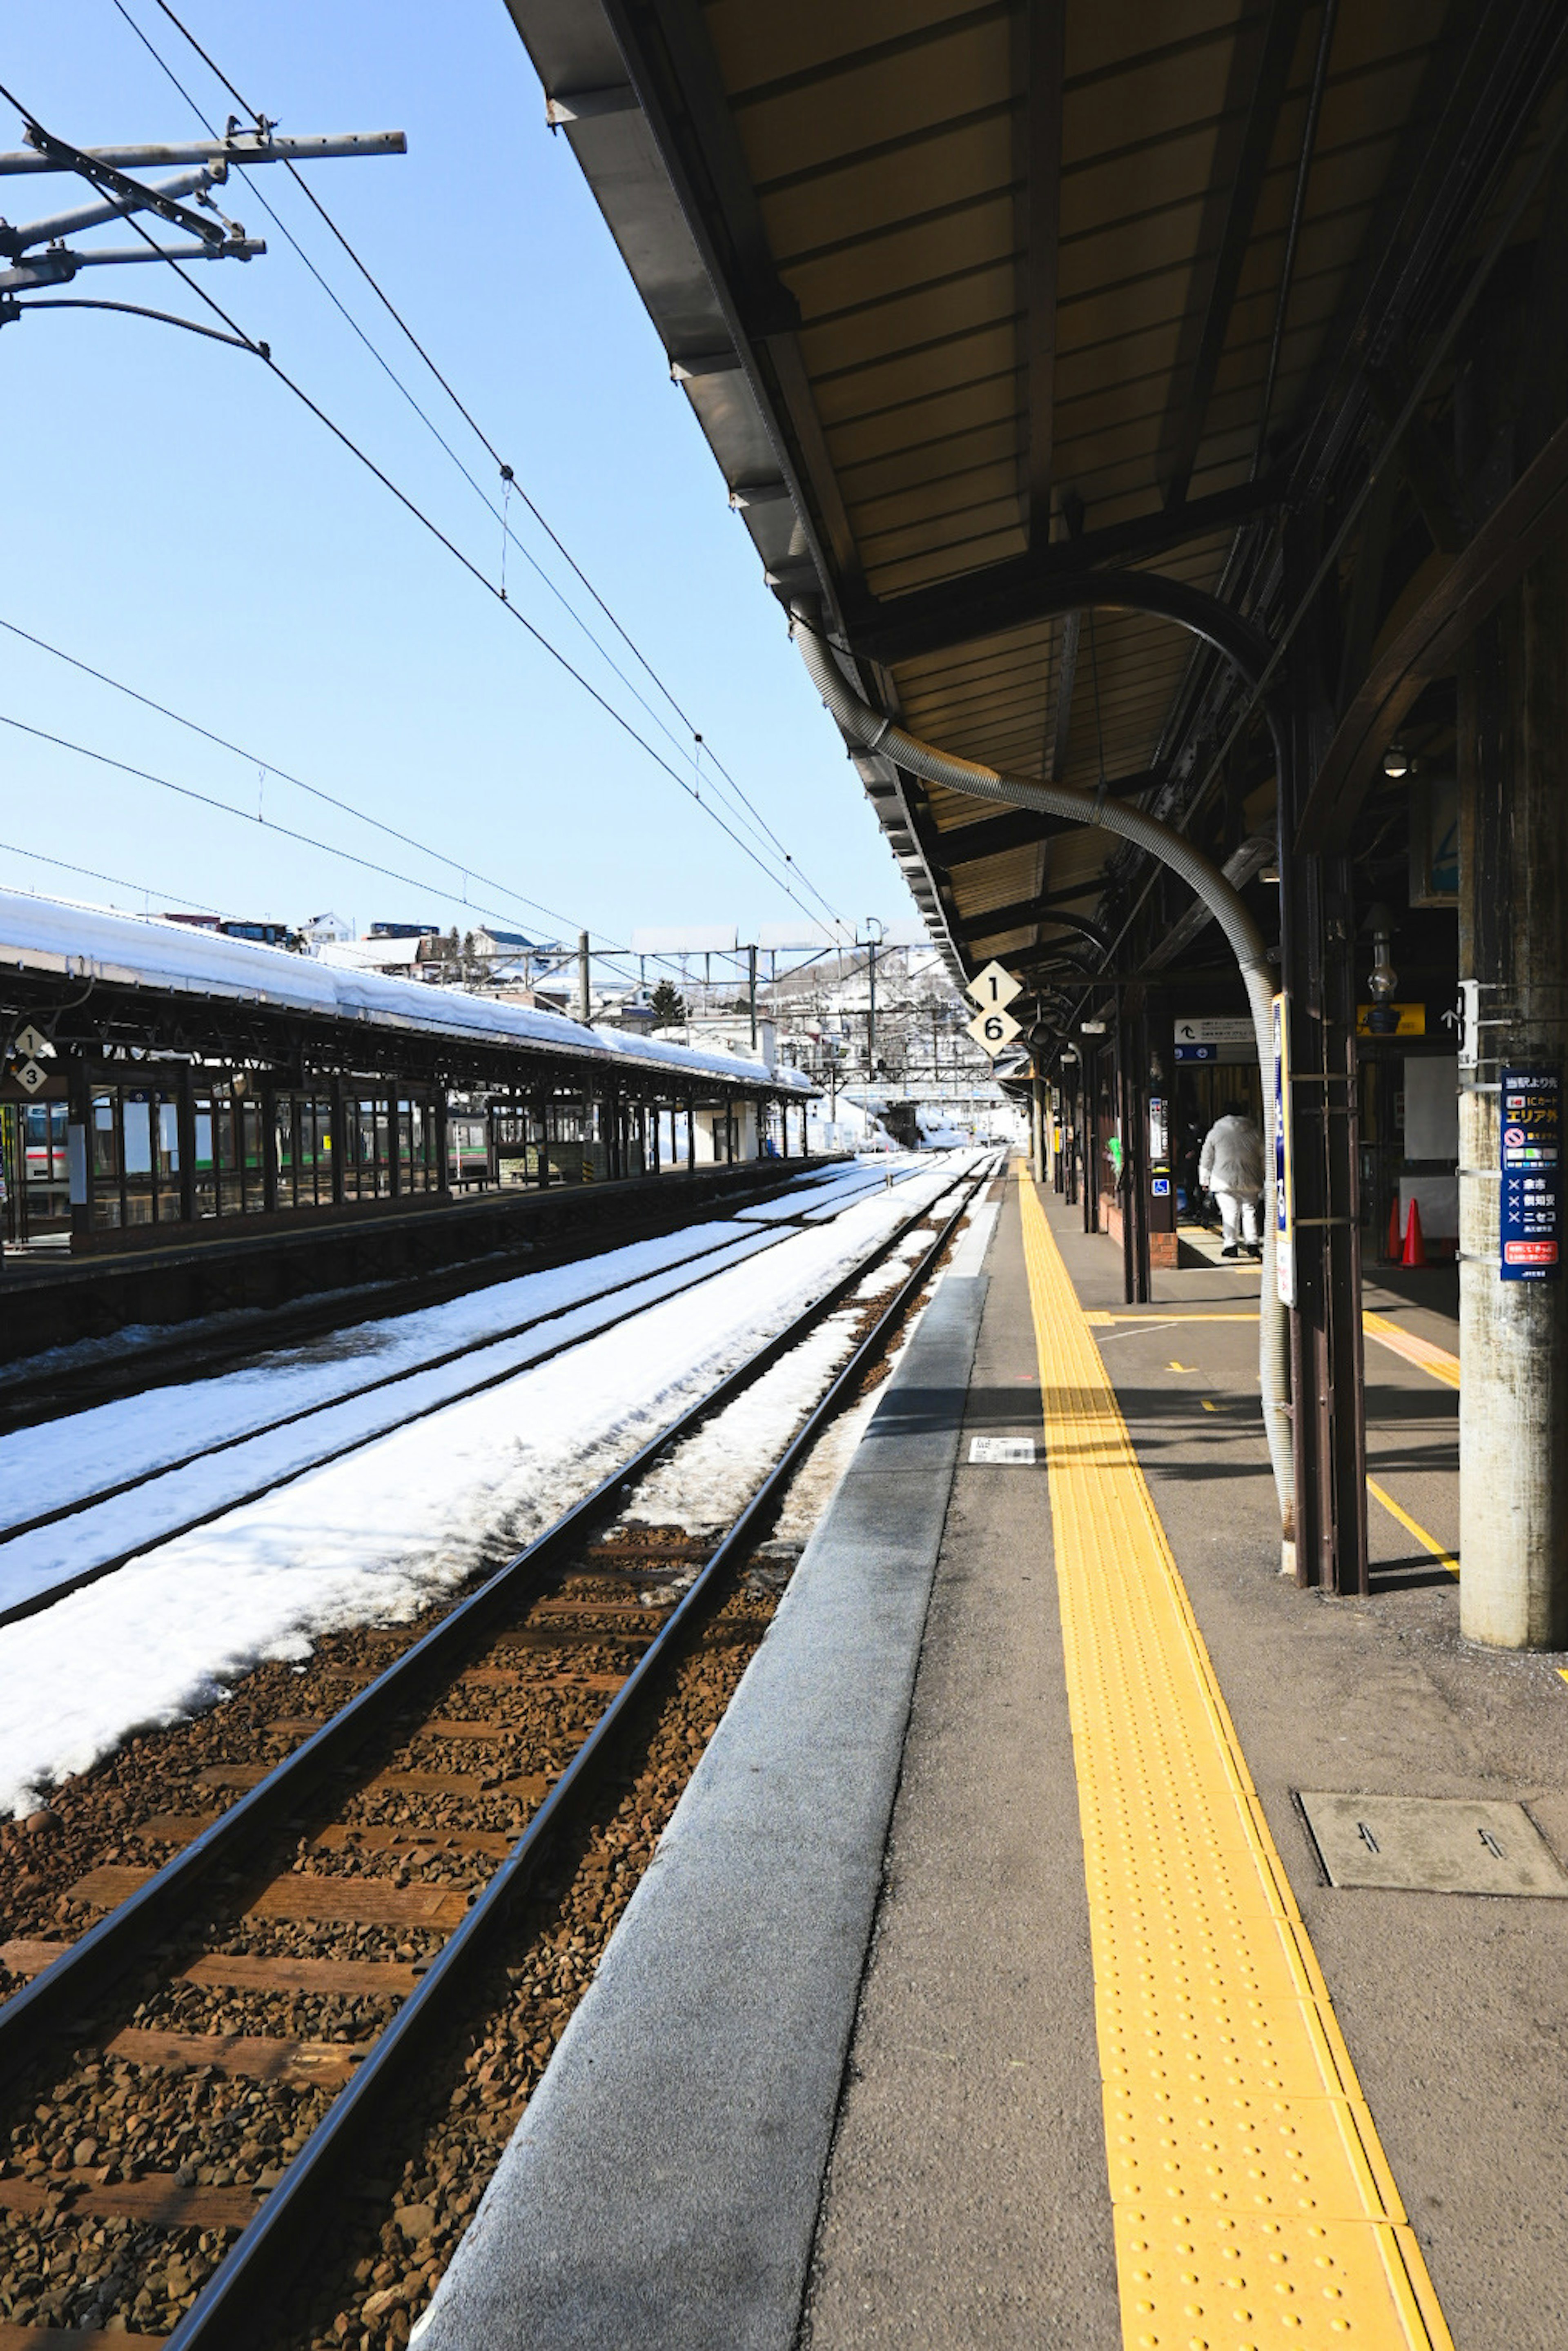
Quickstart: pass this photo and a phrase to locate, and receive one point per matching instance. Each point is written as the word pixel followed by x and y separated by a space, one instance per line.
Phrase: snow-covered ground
pixel 167 1430
pixel 371 1536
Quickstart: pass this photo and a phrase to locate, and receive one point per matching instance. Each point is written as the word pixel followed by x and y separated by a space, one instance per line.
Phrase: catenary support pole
pixel 1513 939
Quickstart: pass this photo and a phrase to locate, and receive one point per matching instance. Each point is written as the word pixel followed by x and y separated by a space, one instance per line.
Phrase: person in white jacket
pixel 1232 1168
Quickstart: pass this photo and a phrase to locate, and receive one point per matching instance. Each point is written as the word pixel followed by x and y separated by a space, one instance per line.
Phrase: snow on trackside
pixel 62 1459
pixel 373 1537
pixel 65 1551
pixel 812 1487
pixel 710 1477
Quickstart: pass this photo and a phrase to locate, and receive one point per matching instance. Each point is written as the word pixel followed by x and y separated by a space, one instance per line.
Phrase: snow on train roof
pixel 90 942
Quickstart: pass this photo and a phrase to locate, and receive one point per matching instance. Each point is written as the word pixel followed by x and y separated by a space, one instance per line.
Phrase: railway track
pixel 119 1363
pixel 38 1567
pixel 355 1903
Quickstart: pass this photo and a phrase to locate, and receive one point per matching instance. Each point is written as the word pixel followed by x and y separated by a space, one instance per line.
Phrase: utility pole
pixel 751 990
pixel 41 261
pixel 871 941
pixel 584 996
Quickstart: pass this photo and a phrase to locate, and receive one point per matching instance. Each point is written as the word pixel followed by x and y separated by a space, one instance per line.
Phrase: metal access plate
pixel 1434 1844
pixel 1003 1448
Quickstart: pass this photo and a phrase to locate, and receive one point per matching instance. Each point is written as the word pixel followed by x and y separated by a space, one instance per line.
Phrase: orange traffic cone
pixel 1396 1238
pixel 1415 1253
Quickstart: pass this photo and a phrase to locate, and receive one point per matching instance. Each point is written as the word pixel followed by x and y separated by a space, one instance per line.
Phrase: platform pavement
pixel 966 2201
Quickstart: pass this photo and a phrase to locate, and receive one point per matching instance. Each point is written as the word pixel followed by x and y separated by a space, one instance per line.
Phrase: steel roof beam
pixel 997 919
pixel 971 843
pixel 1185 422
pixel 1519 527
pixel 1010 595
pixel 1041 39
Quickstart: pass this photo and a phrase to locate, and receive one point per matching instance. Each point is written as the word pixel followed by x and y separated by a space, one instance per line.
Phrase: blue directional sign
pixel 1531 1221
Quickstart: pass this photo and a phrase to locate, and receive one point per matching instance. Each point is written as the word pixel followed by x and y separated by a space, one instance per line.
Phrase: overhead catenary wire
pixel 347 808
pixel 116 880
pixel 248 817
pixel 745 807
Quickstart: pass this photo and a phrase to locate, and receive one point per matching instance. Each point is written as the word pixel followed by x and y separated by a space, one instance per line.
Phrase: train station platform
pixel 1074 1935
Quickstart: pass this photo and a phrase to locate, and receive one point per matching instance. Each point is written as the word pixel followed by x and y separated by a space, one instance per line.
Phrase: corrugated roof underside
pixel 891 173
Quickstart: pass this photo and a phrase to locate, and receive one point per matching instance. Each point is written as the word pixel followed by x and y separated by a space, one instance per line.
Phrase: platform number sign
pixel 994 1031
pixel 1530 1225
pixel 994 989
pixel 993 1026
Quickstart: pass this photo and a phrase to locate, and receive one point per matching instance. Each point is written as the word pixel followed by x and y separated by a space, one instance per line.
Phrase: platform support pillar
pixel 1513 938
pixel 1317 949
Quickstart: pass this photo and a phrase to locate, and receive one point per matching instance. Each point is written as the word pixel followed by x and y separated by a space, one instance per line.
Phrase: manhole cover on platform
pixel 1434 1844
pixel 1002 1448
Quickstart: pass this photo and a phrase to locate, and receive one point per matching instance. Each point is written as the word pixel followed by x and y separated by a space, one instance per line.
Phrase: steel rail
pixel 32 1395
pixel 242 2294
pixel 36 1603
pixel 56 2000
pixel 14 1529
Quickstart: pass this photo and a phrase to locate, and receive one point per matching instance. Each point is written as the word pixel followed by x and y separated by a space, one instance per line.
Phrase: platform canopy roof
pixel 99 954
pixel 1015 331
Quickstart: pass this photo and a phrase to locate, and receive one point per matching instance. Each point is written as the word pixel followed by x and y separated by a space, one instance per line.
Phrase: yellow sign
pixel 1412 1022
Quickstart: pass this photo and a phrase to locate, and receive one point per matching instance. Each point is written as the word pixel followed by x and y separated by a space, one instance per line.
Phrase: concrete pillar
pixel 1513 938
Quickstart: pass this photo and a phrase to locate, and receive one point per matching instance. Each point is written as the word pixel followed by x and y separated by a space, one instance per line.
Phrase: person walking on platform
pixel 1231 1168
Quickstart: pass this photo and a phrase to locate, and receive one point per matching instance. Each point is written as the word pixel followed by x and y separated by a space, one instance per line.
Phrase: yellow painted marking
pixel 1210 1406
pixel 1182 1367
pixel 1426 1541
pixel 1419 1352
pixel 1252 2202
pixel 1564 1671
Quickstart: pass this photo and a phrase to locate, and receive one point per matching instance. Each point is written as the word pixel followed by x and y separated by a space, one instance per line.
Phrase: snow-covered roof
pixel 369 954
pixel 54 935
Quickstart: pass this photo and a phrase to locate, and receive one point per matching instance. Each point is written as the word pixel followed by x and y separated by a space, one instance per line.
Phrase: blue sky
pixel 175 518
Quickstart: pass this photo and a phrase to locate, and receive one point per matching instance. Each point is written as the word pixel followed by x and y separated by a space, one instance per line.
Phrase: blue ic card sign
pixel 1531 1227
pixel 1160 1187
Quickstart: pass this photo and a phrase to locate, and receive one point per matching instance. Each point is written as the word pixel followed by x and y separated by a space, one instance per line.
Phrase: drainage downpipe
pixel 862 727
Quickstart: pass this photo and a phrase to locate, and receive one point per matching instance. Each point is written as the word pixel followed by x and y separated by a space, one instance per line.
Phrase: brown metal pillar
pixel 1317 944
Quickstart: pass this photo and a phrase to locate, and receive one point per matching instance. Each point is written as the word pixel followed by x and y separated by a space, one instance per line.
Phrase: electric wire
pixel 262 350
pixel 115 880
pixel 497 513
pixel 270 824
pixel 745 807
pixel 254 759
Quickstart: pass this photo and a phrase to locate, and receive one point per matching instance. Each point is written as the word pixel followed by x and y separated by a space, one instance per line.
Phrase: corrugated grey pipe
pixel 862 727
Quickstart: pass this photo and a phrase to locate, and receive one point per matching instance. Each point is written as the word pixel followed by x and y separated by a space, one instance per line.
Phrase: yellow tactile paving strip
pixel 1420 1351
pixel 1253 2205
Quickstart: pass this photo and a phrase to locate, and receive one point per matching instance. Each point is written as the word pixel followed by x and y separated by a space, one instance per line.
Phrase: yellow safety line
pixel 1419 1352
pixel 1427 1543
pixel 1252 2202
